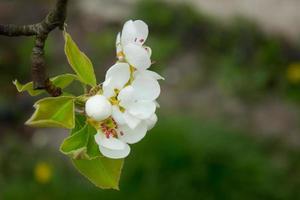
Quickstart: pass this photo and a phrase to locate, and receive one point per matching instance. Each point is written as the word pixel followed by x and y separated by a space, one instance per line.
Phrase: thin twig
pixel 55 18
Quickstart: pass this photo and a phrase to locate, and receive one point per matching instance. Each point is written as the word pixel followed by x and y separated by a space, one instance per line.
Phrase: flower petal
pixel 142 109
pixel 134 32
pixel 108 88
pixel 132 136
pixel 119 46
pixel 110 143
pixel 137 56
pixel 145 88
pixel 151 121
pixel 126 96
pixel 128 33
pixel 130 120
pixel 115 154
pixel 112 147
pixel 116 77
pixel 148 73
pixel 117 115
pixel 149 50
pixel 142 31
pixel 119 73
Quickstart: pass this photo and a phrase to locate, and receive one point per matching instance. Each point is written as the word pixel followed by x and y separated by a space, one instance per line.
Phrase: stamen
pixel 142 40
pixel 135 39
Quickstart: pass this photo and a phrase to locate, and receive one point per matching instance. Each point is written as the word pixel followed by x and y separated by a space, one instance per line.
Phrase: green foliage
pixel 103 172
pixel 61 81
pixel 53 112
pixel 84 152
pixel 81 144
pixel 80 63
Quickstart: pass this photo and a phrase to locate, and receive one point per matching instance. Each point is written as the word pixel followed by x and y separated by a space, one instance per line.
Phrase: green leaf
pixel 80 63
pixel 81 144
pixel 53 112
pixel 80 121
pixel 61 81
pixel 103 172
pixel 76 144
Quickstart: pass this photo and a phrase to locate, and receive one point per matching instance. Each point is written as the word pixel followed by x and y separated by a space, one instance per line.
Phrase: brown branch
pixel 55 18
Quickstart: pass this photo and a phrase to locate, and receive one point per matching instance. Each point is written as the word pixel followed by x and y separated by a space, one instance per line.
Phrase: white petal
pixel 137 56
pixel 119 73
pixel 157 104
pixel 134 32
pixel 118 115
pixel 151 121
pixel 126 96
pixel 130 120
pixel 109 143
pixel 108 88
pixel 149 50
pixel 148 73
pixel 132 136
pixel 112 148
pixel 145 88
pixel 116 77
pixel 141 31
pixel 142 109
pixel 115 154
pixel 118 45
pixel 98 108
pixel 128 33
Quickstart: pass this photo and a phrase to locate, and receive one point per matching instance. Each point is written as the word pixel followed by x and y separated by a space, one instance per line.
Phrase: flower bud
pixel 98 108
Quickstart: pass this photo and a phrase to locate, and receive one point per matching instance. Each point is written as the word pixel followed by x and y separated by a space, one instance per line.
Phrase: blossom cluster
pixel 124 109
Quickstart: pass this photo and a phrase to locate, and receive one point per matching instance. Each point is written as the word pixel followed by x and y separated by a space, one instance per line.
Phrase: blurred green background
pixel 229 119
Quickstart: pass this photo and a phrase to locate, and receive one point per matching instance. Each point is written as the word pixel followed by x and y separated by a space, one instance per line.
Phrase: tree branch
pixel 55 18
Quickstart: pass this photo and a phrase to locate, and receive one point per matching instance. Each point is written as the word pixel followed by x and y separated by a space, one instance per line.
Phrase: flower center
pixel 120 55
pixel 114 100
pixel 109 128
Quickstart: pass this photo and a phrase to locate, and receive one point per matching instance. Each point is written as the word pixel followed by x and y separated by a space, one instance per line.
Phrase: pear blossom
pixel 129 45
pixel 113 139
pixel 134 102
pixel 124 108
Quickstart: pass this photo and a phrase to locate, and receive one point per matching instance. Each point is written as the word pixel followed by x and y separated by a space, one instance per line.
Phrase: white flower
pixel 134 32
pixel 133 102
pixel 130 90
pixel 113 140
pixel 129 45
pixel 112 147
pixel 98 108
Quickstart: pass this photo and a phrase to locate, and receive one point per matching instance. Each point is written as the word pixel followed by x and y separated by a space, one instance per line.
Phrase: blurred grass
pixel 179 159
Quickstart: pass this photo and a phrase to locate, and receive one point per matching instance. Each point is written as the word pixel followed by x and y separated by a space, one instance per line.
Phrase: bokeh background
pixel 229 119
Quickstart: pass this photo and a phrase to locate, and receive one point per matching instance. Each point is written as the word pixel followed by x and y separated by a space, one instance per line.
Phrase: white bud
pixel 98 108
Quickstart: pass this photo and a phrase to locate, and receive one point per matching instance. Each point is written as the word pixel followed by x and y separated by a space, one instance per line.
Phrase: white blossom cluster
pixel 125 107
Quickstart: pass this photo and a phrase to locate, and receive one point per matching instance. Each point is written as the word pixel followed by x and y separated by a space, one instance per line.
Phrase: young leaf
pixel 53 112
pixel 81 144
pixel 80 121
pixel 80 63
pixel 101 171
pixel 76 144
pixel 61 81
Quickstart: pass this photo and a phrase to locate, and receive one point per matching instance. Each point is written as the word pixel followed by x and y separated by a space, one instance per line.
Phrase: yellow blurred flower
pixel 293 73
pixel 42 172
